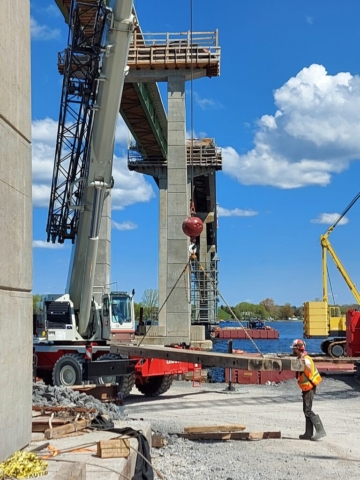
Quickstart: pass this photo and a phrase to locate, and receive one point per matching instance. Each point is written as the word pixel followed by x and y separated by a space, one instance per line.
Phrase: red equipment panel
pixel 353 333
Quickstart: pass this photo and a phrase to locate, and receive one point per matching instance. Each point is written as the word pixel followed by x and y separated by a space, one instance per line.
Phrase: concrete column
pixel 16 228
pixel 178 305
pixel 102 269
pixel 163 238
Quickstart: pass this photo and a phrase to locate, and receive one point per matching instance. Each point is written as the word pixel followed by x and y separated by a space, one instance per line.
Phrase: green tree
pixel 137 307
pixel 245 311
pixel 269 305
pixel 150 302
pixel 286 311
pixel 36 300
pixel 299 311
pixel 223 314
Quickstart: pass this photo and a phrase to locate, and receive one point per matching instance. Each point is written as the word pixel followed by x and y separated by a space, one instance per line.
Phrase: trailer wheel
pixel 155 386
pixel 68 370
pixel 126 382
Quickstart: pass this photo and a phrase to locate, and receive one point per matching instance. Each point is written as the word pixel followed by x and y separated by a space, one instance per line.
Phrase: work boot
pixel 309 430
pixel 320 432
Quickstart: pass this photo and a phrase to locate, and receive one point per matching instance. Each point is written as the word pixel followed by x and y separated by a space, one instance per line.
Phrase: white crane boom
pixel 99 179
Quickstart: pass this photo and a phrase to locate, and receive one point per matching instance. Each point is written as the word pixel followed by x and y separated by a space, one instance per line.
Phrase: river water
pixel 288 331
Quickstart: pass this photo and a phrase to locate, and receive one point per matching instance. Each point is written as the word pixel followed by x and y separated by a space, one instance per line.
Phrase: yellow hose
pixel 23 465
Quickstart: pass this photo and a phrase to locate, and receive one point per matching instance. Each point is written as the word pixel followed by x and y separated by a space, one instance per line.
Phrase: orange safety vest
pixel 307 381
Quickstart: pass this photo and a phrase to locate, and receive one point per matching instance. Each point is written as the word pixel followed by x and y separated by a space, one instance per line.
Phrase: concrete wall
pixel 16 228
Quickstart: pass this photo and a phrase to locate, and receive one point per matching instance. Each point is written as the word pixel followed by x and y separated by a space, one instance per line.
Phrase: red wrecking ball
pixel 192 226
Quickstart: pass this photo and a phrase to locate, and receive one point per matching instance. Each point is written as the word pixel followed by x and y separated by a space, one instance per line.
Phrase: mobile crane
pixel 79 338
pixel 320 319
pixel 73 330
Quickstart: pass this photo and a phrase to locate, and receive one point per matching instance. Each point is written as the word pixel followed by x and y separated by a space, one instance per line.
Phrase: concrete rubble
pixel 46 395
pixel 67 449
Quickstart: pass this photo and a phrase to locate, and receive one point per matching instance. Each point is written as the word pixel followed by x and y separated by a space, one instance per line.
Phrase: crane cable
pixel 332 292
pixel 192 187
pixel 166 299
pixel 218 293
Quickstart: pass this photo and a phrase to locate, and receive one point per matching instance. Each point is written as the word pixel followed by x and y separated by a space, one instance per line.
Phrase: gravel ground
pixel 65 397
pixel 261 408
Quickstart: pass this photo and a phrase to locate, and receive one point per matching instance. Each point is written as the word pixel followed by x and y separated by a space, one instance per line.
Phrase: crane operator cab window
pixel 121 310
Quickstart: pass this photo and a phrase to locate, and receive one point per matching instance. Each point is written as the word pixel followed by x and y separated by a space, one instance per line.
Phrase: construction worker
pixel 308 381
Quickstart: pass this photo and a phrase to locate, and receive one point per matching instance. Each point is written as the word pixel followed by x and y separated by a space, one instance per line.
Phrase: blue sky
pixel 286 113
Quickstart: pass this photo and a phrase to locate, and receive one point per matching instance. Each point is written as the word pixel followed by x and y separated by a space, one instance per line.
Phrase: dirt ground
pixel 261 408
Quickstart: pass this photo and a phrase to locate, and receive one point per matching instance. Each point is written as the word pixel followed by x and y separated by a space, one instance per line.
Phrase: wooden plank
pixel 40 424
pixel 71 471
pixel 119 447
pixel 230 435
pixel 44 408
pixel 65 429
pixel 114 453
pixel 214 429
pixel 158 441
pixel 114 443
pixel 211 359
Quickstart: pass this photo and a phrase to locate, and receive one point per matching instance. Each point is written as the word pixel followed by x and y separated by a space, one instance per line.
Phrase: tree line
pixel 244 310
pixel 267 309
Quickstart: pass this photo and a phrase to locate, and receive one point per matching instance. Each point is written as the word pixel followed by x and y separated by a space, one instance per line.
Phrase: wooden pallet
pixel 224 432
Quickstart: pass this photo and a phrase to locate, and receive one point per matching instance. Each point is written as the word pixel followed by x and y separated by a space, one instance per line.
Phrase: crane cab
pixel 118 316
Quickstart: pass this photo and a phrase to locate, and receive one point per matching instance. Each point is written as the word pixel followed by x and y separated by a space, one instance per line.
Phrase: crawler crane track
pixel 337 349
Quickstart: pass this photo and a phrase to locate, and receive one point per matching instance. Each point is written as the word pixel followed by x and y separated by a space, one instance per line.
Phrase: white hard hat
pixel 298 343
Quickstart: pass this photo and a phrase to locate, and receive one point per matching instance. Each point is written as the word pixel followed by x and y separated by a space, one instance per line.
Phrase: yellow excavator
pixel 320 319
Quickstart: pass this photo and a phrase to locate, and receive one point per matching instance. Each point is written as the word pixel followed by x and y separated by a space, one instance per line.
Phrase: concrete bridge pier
pixel 16 326
pixel 175 320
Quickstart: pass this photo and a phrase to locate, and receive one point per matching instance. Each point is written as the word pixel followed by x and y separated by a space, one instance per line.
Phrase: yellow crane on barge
pixel 322 320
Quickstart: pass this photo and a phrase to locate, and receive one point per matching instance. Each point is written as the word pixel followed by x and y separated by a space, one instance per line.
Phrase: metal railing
pixel 200 152
pixel 183 48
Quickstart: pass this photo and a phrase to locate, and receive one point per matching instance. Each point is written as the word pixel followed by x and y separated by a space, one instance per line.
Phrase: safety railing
pixel 180 49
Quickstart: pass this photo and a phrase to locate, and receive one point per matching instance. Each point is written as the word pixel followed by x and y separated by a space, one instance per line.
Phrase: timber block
pixel 116 448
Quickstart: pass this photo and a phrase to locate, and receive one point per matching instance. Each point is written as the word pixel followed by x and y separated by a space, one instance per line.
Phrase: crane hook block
pixel 192 226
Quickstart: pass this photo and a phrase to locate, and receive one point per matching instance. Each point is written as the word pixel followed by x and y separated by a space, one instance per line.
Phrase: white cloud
pixel 124 225
pixel 40 195
pixel 329 219
pixel 44 244
pixel 121 131
pixel 42 32
pixel 235 212
pixel 52 11
pixel 130 187
pixel 43 147
pixel 313 134
pixel 206 103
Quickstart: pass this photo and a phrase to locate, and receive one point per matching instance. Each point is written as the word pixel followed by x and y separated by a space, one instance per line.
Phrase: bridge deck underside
pixel 138 123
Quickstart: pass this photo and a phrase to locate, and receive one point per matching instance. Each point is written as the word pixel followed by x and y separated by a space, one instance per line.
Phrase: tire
pixel 337 350
pixel 68 370
pixel 155 386
pixel 126 382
